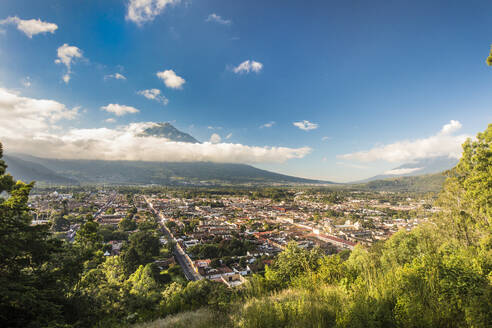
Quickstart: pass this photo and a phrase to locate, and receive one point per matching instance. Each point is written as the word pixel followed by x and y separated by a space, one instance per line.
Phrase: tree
pixel 466 198
pixel 489 58
pixel 127 224
pixel 88 236
pixel 292 263
pixel 144 292
pixel 141 249
pixel 31 280
pixel 60 223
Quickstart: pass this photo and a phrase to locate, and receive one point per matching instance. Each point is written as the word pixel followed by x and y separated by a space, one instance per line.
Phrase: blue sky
pixel 375 80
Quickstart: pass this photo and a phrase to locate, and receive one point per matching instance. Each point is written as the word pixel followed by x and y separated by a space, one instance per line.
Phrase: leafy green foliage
pixel 127 224
pixel 420 183
pixel 143 246
pixel 489 58
pixel 34 271
pixel 226 247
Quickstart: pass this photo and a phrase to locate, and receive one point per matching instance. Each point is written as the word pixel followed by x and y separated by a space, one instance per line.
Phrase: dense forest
pixel 437 275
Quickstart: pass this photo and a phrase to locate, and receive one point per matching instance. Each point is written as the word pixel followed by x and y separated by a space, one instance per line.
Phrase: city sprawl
pixel 225 235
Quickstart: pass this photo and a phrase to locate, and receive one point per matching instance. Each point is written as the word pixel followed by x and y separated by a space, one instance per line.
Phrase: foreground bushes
pixel 292 308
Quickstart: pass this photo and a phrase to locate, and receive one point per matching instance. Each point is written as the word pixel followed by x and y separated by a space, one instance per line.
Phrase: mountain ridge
pixel 140 172
pixel 421 166
pixel 168 131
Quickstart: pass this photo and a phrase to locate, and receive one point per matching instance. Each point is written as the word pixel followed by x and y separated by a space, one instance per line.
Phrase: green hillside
pixel 144 173
pixel 420 183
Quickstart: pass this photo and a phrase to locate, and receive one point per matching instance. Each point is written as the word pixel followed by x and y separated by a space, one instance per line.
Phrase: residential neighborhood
pixel 221 237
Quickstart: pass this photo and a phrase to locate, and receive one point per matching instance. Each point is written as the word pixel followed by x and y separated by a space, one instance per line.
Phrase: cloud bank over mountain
pixel 30 125
pixel 444 143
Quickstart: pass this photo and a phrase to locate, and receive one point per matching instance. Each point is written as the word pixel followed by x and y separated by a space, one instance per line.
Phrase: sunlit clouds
pixel 154 94
pixel 306 125
pixel 142 11
pixel 31 126
pixel 67 55
pixel 248 66
pixel 170 79
pixel 119 110
pixel 444 143
pixel 30 27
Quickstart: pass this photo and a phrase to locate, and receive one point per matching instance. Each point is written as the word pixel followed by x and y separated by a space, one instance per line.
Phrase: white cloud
pixel 66 55
pixel 403 171
pixel 441 144
pixel 142 11
pixel 28 116
pixel 450 128
pixel 119 110
pixel 171 80
pixel 306 125
pixel 267 125
pixel 215 138
pixel 116 76
pixel 248 66
pixel 110 120
pixel 30 126
pixel 30 27
pixel 325 138
pixel 228 136
pixel 154 94
pixel 217 19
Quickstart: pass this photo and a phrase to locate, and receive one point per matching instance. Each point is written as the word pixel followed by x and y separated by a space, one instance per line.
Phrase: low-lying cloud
pixel 403 171
pixel 30 126
pixel 444 143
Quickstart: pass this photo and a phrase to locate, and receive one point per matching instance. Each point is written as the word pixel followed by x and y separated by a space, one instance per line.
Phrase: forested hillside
pixel 419 183
pixel 437 275
pixel 58 171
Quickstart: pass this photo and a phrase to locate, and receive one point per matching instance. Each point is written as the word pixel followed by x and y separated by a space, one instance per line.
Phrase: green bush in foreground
pixel 202 318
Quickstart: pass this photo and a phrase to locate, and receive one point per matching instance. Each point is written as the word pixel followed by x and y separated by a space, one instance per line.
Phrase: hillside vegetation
pixel 420 183
pixel 143 173
pixel 437 275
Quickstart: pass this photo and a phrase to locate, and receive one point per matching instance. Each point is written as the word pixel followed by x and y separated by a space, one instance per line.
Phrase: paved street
pixel 189 273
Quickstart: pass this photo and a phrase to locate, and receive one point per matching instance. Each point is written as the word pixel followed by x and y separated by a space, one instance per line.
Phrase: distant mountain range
pixel 28 171
pixel 55 171
pixel 62 171
pixel 418 167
